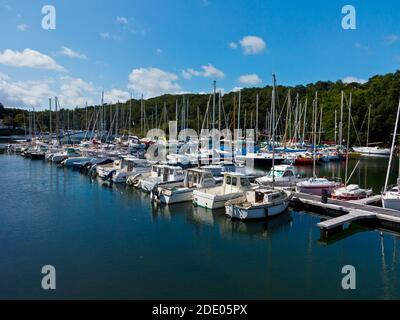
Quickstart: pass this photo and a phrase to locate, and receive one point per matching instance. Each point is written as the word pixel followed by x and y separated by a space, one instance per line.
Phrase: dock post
pixel 324 196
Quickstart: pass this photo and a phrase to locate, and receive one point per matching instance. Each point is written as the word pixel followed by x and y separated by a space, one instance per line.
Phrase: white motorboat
pixel 179 192
pixel 372 151
pixel 259 204
pixel 233 187
pixel 351 192
pixel 123 168
pixel 391 198
pixel 160 174
pixel 65 154
pixel 76 161
pixel 315 186
pixel 281 176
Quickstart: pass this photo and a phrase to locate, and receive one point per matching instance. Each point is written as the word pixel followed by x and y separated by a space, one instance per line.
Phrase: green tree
pixel 19 120
pixel 8 121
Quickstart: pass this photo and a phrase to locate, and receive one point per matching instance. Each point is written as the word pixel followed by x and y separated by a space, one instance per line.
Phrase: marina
pixel 240 185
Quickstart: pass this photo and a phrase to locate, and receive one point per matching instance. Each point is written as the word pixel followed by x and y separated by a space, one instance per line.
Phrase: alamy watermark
pixel 49 21
pixel 211 146
pixel 49 280
pixel 349 280
pixel 349 21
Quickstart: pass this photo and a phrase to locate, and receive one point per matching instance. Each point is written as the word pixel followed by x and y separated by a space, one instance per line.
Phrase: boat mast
pixel 335 127
pixel 320 126
pixel 219 110
pixel 198 120
pixel 257 119
pixel 102 116
pixel 348 140
pixel 305 120
pixel 341 121
pixel 392 149
pixel 296 117
pixel 57 119
pixel 273 129
pixel 213 111
pixel 176 113
pixel 240 100
pixel 369 119
pixel 141 116
pixel 130 115
pixel 315 134
pixel 50 124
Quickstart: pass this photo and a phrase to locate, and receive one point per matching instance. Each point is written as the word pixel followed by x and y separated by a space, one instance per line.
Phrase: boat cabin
pixel 197 178
pixel 166 172
pixel 235 182
pixel 129 163
pixel 283 172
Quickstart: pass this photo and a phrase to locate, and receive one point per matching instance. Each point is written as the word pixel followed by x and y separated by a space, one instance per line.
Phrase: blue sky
pixel 153 47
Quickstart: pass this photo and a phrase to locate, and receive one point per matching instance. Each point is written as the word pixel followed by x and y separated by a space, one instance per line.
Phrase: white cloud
pixel 30 59
pixel 390 39
pixel 159 51
pixel 22 27
pixel 233 45
pixel 361 46
pixel 104 35
pixel 116 95
pixel 249 79
pixel 152 82
pixel 122 20
pixel 24 93
pixel 70 91
pixel 76 92
pixel 236 89
pixel 65 51
pixel 252 45
pixel 209 71
pixel 353 79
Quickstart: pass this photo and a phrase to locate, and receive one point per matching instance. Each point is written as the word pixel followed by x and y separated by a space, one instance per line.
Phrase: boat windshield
pixel 278 173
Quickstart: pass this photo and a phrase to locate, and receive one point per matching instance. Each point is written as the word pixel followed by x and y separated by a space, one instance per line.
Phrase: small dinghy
pixel 315 186
pixel 351 192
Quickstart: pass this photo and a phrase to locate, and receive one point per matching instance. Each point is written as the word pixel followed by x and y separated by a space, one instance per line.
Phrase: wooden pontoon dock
pixel 345 212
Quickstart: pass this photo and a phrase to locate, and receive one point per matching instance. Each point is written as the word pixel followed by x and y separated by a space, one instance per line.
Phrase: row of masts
pixel 290 124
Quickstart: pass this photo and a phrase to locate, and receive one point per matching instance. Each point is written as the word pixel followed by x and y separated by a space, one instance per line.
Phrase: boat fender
pixel 154 192
pixel 134 181
pixel 110 175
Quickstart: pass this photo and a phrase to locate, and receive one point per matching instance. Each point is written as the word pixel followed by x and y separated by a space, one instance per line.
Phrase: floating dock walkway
pixel 345 212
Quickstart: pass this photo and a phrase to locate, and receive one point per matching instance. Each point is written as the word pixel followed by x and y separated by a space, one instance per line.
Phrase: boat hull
pixel 316 190
pixel 391 202
pixel 213 202
pixel 256 213
pixel 176 197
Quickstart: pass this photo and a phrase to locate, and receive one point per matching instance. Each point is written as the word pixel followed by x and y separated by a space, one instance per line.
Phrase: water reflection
pixel 201 217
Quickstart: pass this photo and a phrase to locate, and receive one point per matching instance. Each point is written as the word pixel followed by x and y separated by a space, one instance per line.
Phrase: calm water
pixel 109 242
